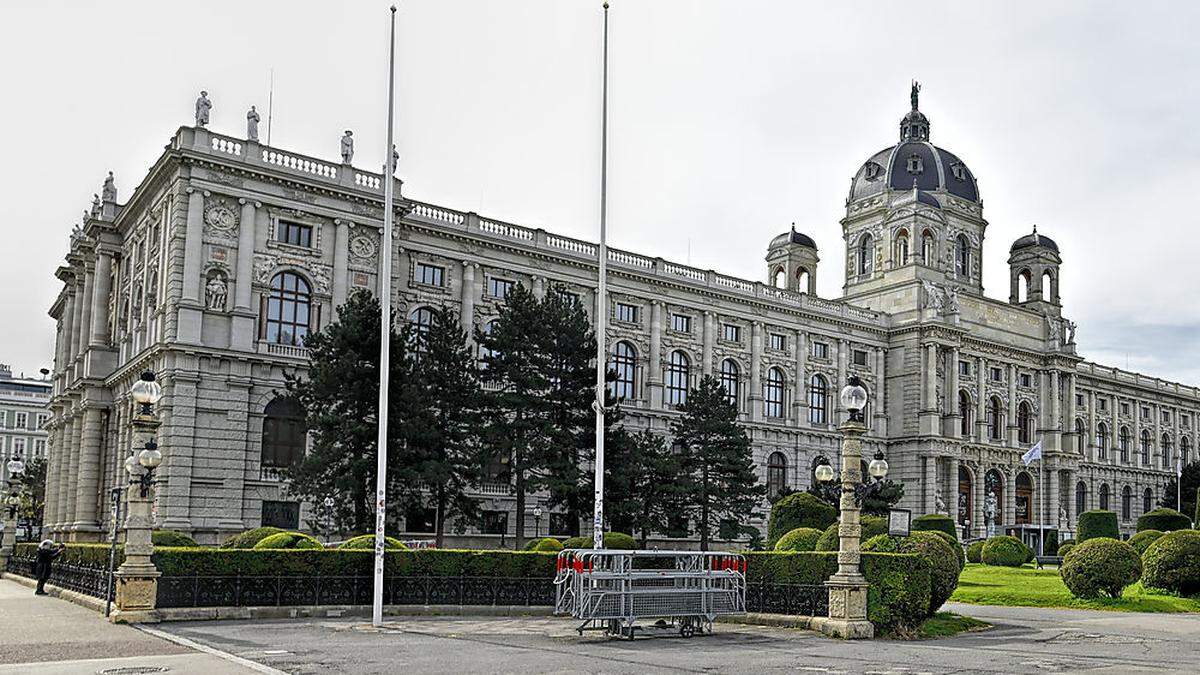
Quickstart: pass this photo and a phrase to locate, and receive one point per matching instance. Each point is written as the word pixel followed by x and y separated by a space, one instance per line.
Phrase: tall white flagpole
pixel 385 335
pixel 602 305
pixel 1041 509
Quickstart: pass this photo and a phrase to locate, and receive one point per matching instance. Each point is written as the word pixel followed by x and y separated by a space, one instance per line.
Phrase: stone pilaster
pixel 710 338
pixel 467 310
pixel 756 366
pixel 341 258
pixel 654 383
pixel 101 289
pixel 85 524
pixel 799 400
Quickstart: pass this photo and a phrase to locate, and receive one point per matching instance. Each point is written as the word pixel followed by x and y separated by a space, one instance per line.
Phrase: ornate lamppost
pixel 537 521
pixel 137 577
pixel 848 587
pixel 12 503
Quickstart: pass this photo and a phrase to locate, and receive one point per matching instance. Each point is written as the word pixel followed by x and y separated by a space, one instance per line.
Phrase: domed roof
pixel 794 237
pixel 914 162
pixel 1035 239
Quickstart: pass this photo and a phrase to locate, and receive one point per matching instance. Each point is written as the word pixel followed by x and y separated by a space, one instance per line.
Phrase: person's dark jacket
pixel 45 556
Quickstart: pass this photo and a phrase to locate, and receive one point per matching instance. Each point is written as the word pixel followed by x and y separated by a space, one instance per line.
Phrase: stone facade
pixel 24 411
pixel 190 278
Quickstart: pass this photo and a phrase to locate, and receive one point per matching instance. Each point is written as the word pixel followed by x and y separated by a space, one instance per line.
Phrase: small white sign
pixel 899 522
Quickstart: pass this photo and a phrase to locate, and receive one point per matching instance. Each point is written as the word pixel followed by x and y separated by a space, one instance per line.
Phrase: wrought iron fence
pixel 86 579
pixel 794 599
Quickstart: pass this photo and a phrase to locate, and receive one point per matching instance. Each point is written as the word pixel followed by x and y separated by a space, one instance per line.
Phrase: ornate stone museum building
pixel 229 252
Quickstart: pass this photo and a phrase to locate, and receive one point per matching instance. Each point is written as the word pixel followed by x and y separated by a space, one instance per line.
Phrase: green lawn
pixel 946 624
pixel 1030 587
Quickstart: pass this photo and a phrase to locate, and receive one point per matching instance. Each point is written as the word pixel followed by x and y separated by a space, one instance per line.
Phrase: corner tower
pixel 913 215
pixel 1033 263
pixel 792 262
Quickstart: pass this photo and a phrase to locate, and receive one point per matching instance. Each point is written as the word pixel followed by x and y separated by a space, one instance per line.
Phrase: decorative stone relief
pixel 220 221
pixel 216 290
pixel 363 249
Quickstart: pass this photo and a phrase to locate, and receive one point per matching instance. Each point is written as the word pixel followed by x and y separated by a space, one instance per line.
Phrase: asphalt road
pixel 1022 640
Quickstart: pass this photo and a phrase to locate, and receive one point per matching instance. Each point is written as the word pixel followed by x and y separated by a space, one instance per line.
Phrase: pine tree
pixel 1191 482
pixel 340 395
pixel 640 479
pixel 445 436
pixel 718 475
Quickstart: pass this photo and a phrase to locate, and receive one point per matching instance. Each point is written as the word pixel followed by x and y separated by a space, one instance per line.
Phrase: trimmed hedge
pixel 871 526
pixel 1004 551
pixel 1172 563
pixel 975 552
pixel 90 555
pixel 352 562
pixel 249 538
pixel 1142 540
pixel 938 522
pixel 367 542
pixel 171 538
pixel 1163 520
pixel 799 509
pixel 934 549
pixel 612 540
pixel 899 592
pixel 289 540
pixel 1065 549
pixel 799 539
pixel 954 546
pixel 1100 566
pixel 1097 523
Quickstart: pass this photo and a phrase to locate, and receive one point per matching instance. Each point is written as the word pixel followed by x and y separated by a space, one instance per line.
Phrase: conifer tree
pixel 718 476
pixel 641 481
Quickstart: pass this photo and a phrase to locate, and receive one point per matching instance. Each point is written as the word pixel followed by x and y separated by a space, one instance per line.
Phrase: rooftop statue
pixel 916 90
pixel 252 119
pixel 110 189
pixel 347 147
pixel 203 105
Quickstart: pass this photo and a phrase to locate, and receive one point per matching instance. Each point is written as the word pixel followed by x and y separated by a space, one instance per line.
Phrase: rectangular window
pixel 997 375
pixel 627 313
pixel 681 323
pixel 820 350
pixel 567 296
pixel 21 420
pixel 860 357
pixel 3 419
pixel 778 342
pixel 499 288
pixel 731 333
pixel 41 420
pixel 1166 417
pixel 563 525
pixel 39 447
pixel 431 275
pixel 495 522
pixel 1026 380
pixel 964 368
pixel 1078 399
pixel 18 446
pixel 1124 408
pixel 1185 421
pixel 296 234
pixel 285 515
pixel 1145 413
pixel 1102 404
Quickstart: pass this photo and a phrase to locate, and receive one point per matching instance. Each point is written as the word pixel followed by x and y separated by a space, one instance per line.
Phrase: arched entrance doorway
pixel 993 507
pixel 965 502
pixel 1024 500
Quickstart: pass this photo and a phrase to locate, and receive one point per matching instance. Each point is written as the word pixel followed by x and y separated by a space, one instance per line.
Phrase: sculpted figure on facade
pixel 1070 325
pixel 252 120
pixel 1055 327
pixel 933 296
pixel 951 302
pixel 215 292
pixel 95 206
pixel 989 513
pixel 347 147
pixel 939 503
pixel 110 189
pixel 203 105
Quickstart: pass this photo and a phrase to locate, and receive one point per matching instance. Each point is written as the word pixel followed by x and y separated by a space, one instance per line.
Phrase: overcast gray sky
pixel 729 121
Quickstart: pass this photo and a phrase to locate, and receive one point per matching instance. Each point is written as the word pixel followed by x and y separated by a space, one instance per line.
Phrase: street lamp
pixel 137 576
pixel 146 392
pixel 537 521
pixel 141 466
pixel 12 502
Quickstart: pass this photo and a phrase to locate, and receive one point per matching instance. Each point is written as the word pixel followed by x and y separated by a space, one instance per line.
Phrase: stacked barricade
pixel 613 590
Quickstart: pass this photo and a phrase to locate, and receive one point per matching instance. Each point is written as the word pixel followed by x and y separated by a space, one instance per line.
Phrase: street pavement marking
pixel 192 644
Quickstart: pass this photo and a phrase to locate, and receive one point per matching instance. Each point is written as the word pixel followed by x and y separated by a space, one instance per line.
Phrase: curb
pixel 94 604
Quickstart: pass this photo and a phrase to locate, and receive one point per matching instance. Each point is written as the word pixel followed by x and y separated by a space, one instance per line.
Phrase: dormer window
pixel 915 165
pixel 959 170
pixel 872 171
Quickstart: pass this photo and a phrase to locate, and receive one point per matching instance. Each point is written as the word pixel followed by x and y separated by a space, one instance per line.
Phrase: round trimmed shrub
pixel 289 540
pixel 1065 549
pixel 612 540
pixel 935 550
pixel 1163 520
pixel 1100 566
pixel 1097 523
pixel 249 538
pixel 955 546
pixel 1172 563
pixel 799 539
pixel 1004 551
pixel 367 542
pixel 975 552
pixel 871 526
pixel 799 509
pixel 1142 540
pixel 936 522
pixel 167 538
pixel 544 545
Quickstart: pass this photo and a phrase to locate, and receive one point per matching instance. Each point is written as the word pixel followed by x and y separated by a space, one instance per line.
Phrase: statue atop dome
pixel 913 95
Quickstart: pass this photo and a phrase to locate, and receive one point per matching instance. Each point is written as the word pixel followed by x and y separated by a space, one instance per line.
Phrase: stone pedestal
pixel 848 587
pixel 8 541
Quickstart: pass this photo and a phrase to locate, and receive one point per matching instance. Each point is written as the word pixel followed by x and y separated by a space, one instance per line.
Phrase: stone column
pixel 710 338
pixel 1092 423
pixel 85 324
pixel 88 481
pixel 848 587
pixel 929 391
pixel 8 538
pixel 1114 450
pixel 52 455
pixel 843 369
pixel 981 367
pixel 78 300
pixel 71 478
pixel 539 289
pixel 654 383
pixel 931 484
pixel 1050 501
pixel 243 296
pixel 756 366
pixel 193 242
pixel 798 396
pixel 341 262
pixel 978 519
pixel 880 393
pixel 1012 405
pixel 467 300
pixel 1010 498
pixel 951 495
pixel 101 289
pixel 953 414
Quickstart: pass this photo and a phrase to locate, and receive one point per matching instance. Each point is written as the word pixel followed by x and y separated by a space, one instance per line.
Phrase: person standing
pixel 42 566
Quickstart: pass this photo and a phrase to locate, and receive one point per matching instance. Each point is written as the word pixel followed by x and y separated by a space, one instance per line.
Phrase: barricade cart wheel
pixel 687 629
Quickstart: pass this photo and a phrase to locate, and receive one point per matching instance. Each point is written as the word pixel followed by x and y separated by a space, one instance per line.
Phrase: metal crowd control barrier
pixel 613 590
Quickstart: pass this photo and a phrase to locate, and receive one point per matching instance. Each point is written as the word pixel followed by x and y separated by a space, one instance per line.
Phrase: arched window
pixel 779 279
pixel 1102 442
pixel 1024 423
pixel 1104 497
pixel 866 254
pixel 1185 451
pixel 421 320
pixel 962 256
pixel 902 248
pixel 1023 278
pixel 288 309
pixel 818 399
pixel 802 280
pixel 995 419
pixel 678 375
pixel 1146 447
pixel 1168 451
pixel 1024 499
pixel 776 474
pixel 1047 286
pixel 1126 503
pixel 1124 441
pixel 773 393
pixel 624 364
pixel 283 434
pixel 1081 438
pixel 1147 500
pixel 964 410
pixel 927 248
pixel 1080 497
pixel 729 380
